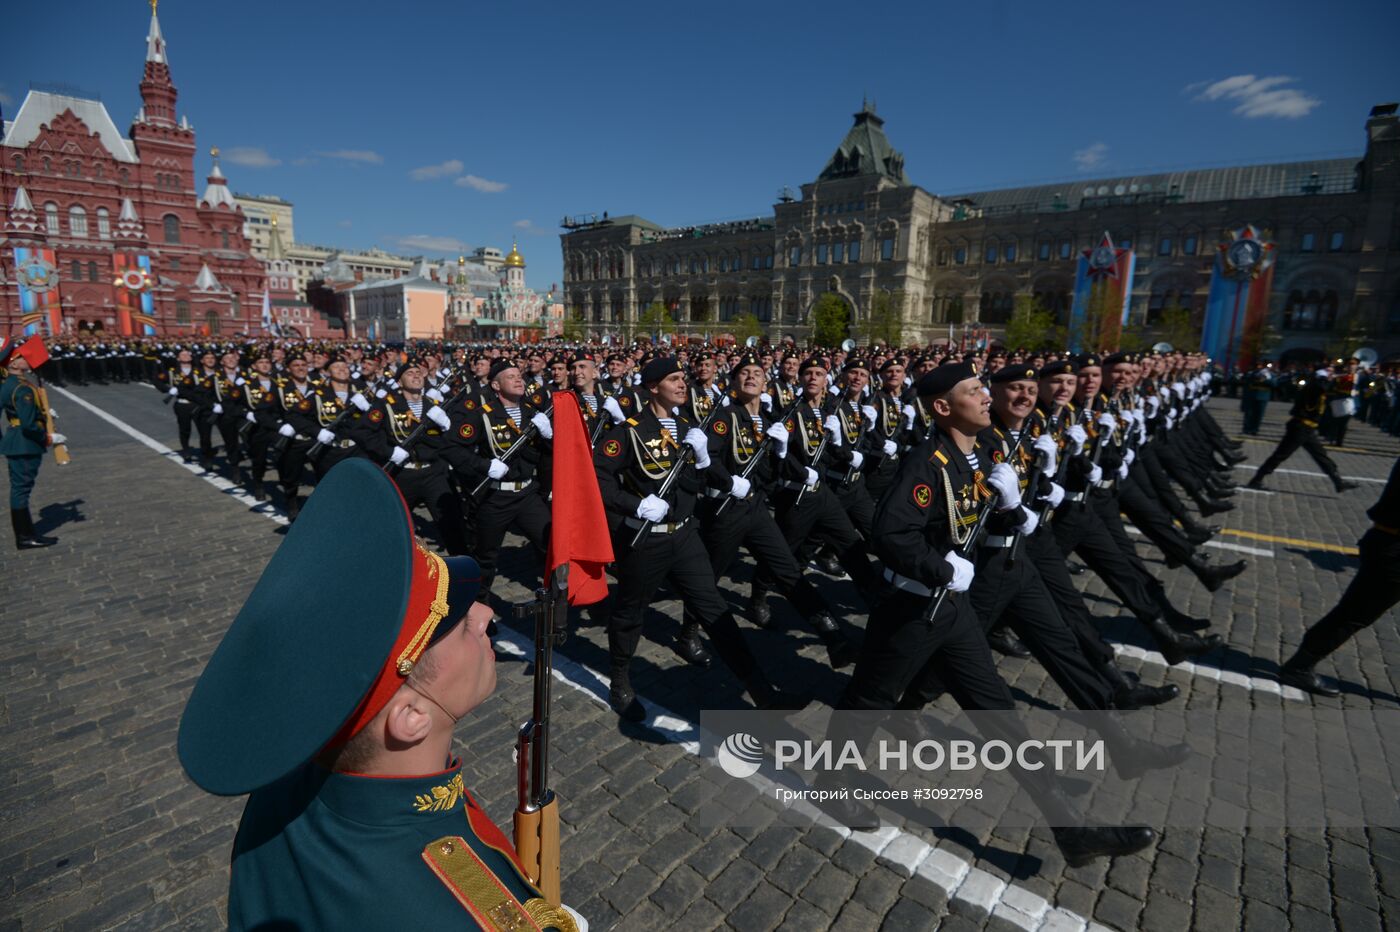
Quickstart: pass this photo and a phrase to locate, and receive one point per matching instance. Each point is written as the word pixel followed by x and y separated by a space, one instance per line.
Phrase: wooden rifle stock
pixel 60 450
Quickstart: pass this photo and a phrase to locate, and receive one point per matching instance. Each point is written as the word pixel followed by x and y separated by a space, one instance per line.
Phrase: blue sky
pixel 437 126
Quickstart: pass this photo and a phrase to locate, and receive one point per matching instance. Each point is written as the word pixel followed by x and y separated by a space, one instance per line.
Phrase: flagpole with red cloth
pixel 579 532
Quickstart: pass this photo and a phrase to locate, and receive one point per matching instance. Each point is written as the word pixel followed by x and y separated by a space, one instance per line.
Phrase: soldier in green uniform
pixel 340 726
pixel 24 442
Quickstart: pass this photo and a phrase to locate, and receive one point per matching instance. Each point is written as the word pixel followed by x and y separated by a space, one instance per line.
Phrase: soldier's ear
pixel 408 719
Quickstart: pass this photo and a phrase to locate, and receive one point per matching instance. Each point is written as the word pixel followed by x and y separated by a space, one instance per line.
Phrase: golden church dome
pixel 514 260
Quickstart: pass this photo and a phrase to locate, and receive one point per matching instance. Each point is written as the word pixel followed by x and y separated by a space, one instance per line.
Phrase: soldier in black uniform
pixel 599 409
pixel 849 421
pixel 348 423
pixel 514 497
pixel 264 412
pixel 926 516
pixel 1301 431
pixel 192 392
pixel 705 391
pixel 890 430
pixel 634 459
pixel 229 411
pixel 739 433
pixel 297 399
pixel 418 469
pixel 1373 591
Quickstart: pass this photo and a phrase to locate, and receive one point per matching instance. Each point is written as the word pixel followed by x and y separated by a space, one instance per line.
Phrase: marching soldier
pixel 192 392
pixel 848 422
pixel 348 423
pixel 891 428
pixel 634 461
pixel 25 439
pixel 297 396
pixel 705 390
pixel 599 409
pixel 1301 431
pixel 264 414
pixel 418 468
pixel 229 411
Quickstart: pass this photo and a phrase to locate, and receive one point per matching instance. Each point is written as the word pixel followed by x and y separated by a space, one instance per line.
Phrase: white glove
pixel 542 425
pixel 287 430
pixel 59 438
pixel 434 394
pixel 1180 389
pixel 890 448
pixel 1045 446
pixel 1122 470
pixel 1054 496
pixel 765 398
pixel 240 381
pixel 380 392
pixel 325 436
pixel 779 432
pixel 1142 434
pixel 870 413
pixel 1164 393
pixel 1171 419
pixel 652 509
pixel 1095 473
pixel 250 417
pixel 812 477
pixel 174 393
pixel 399 455
pixel 439 417
pixel 1107 421
pixel 1007 484
pixel 1154 404
pixel 497 469
pixel 1078 436
pixel 1029 525
pixel 857 460
pixel 1129 456
pixel 741 487
pixel 962 572
pixel 614 410
pixel 698 442
pixel 360 401
pixel 833 427
pixel 218 409
pixel 909 415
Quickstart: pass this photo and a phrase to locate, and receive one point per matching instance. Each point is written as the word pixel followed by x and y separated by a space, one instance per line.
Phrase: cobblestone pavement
pixel 104 635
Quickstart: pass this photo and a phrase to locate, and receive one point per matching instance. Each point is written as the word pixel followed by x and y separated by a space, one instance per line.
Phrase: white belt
pixel 656 528
pixel 997 543
pixel 799 486
pixel 183 401
pixel 716 493
pixel 301 437
pixel 1105 483
pixel 513 486
pixel 1075 497
pixel 413 465
pixel 905 584
pixel 344 443
pixel 840 475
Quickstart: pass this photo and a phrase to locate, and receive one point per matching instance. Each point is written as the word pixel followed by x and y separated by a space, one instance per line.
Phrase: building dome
pixel 514 260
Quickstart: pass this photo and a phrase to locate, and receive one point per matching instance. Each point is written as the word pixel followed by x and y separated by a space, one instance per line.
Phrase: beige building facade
pixel 863 227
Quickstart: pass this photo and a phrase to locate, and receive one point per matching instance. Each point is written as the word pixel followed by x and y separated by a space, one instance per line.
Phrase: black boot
pixel 259 493
pixel 1082 845
pixel 1256 482
pixel 690 648
pixel 1213 577
pixel 1003 641
pixel 623 700
pixel 293 507
pixel 1129 693
pixel 1132 756
pixel 841 808
pixel 1299 673
pixel 768 697
pixel 1182 621
pixel 1343 485
pixel 25 538
pixel 838 649
pixel 826 562
pixel 1198 534
pixel 1177 646
pixel 1209 506
pixel 759 612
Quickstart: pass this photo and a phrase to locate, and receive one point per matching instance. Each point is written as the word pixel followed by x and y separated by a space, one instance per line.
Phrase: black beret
pixel 749 358
pixel 791 354
pixel 580 356
pixel 941 380
pixel 1058 367
pixel 1115 358
pixel 501 365
pixel 702 356
pixel 856 362
pixel 1013 373
pixel 1087 359
pixel 890 363
pixel 810 362
pixel 408 364
pixel 659 368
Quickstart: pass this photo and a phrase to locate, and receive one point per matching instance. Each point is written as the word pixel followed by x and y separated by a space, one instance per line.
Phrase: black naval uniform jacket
pixel 265 403
pixel 195 387
pixel 484 431
pixel 634 458
pixel 1310 404
pixel 591 405
pixel 228 393
pixel 359 431
pixel 299 407
pixel 399 421
pixel 734 440
pixel 702 401
pixel 855 438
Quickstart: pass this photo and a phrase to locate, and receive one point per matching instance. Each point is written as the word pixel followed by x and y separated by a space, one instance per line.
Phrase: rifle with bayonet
pixel 758 455
pixel 683 457
pixel 525 437
pixel 421 429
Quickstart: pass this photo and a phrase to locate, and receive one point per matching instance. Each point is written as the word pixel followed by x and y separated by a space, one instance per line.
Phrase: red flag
pixel 34 351
pixel 579 533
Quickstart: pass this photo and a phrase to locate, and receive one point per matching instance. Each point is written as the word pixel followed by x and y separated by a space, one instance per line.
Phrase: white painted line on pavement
pixel 1218 544
pixel 972 885
pixel 232 490
pixel 1308 472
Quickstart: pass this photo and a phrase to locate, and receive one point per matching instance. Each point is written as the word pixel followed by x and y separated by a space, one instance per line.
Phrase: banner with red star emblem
pixel 1103 289
pixel 1238 305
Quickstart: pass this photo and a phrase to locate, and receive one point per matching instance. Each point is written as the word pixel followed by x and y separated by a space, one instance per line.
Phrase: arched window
pixel 996 307
pixel 51 219
pixel 212 323
pixel 182 311
pixel 1314 309
pixel 104 223
pixel 19 163
pixel 172 228
pixel 92 271
pixel 853 251
pixel 990 252
pixel 77 222
pixel 223 238
pixel 77 271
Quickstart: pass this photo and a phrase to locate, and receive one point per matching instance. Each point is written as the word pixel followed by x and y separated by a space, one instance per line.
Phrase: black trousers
pixel 291 466
pixel 859 506
pixel 1042 550
pixel 882 477
pixel 679 559
pixel 429 487
pixel 1080 531
pixel 229 423
pixel 1147 471
pixel 821 518
pixel 1151 518
pixel 1374 591
pixel 187 414
pixel 260 441
pixel 1295 435
pixel 749 524
pixel 525 511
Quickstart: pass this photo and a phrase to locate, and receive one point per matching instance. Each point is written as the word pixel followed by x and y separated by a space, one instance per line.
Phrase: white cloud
pixel 420 242
pixel 5 99
pixel 441 170
pixel 1091 156
pixel 346 224
pixel 481 184
pixel 355 155
pixel 250 157
pixel 1258 97
pixel 528 226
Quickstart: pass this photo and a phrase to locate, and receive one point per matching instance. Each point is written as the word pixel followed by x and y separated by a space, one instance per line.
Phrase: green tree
pixel 744 326
pixel 1178 329
pixel 886 318
pixel 1031 326
pixel 831 319
pixel 573 329
pixel 654 320
pixel 1348 334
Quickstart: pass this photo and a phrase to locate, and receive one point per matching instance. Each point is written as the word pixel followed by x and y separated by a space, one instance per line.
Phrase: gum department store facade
pixel 863 227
